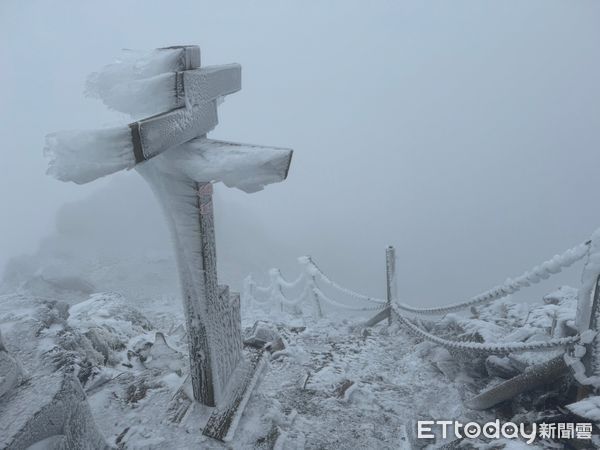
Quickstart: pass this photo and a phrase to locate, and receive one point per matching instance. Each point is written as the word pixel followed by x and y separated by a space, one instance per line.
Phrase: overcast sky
pixel 465 133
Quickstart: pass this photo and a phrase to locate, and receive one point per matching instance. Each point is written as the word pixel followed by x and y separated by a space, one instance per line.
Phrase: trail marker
pixel 171 151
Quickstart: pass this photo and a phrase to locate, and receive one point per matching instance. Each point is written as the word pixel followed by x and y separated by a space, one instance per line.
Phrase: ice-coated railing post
pixel 276 292
pixel 248 290
pixel 280 280
pixel 311 283
pixel 390 272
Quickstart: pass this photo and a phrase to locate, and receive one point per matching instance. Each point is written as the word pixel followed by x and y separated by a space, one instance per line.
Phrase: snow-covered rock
pixel 50 407
pixel 111 312
pixel 11 372
pixel 163 357
pixel 588 408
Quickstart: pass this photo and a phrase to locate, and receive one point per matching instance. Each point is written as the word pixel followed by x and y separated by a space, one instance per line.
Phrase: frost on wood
pixel 171 90
pixel 48 406
pixel 534 377
pixel 182 100
pixel 246 167
pixel 140 65
pixel 590 274
pixel 226 323
pixel 591 359
pixel 382 315
pixel 84 155
pixel 223 421
pixel 585 360
pixel 212 315
pixel 173 101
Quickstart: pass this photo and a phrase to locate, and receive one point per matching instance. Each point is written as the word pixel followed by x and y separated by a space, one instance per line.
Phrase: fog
pixel 464 133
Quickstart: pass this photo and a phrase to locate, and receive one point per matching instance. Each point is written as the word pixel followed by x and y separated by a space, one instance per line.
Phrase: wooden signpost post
pixel 171 151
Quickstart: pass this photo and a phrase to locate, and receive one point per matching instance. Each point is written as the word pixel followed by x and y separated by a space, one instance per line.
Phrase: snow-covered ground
pixel 334 386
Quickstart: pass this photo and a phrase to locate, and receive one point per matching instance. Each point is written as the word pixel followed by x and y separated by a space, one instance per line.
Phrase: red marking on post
pixel 205 189
pixel 206 208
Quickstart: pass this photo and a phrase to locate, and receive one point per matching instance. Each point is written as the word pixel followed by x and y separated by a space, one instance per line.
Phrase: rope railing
pixel 332 302
pixel 314 268
pixel 510 286
pixel 312 275
pixel 312 271
pixel 294 302
pixel 483 348
pixel 290 284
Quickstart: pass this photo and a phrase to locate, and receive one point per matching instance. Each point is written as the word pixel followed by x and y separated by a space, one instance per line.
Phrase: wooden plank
pixel 180 403
pixel 173 90
pixel 222 312
pixel 381 315
pixel 224 420
pixel 189 56
pixel 225 325
pixel 253 159
pixel 591 359
pixel 207 84
pixel 156 134
pixel 534 377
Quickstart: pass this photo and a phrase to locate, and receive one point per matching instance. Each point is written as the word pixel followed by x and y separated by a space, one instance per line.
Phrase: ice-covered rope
pixel 477 347
pixel 250 287
pixel 315 270
pixel 274 290
pixel 302 297
pixel 332 302
pixel 252 298
pixel 262 289
pixel 289 284
pixel 510 286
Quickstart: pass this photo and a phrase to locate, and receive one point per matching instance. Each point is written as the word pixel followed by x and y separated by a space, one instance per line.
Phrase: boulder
pixel 11 372
pixel 50 408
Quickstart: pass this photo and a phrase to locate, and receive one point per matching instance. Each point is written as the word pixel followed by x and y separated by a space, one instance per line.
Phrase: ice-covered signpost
pixel 174 104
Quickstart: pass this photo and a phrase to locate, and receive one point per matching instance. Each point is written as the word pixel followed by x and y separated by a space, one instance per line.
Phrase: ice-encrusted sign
pixel 174 104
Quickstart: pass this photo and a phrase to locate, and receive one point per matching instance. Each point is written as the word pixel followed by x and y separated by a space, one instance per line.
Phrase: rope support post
pixel 390 272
